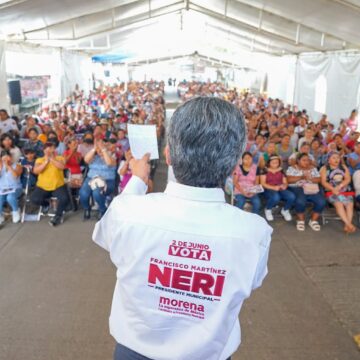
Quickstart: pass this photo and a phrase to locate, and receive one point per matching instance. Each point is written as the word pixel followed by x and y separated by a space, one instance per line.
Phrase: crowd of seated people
pixel 292 161
pixel 77 150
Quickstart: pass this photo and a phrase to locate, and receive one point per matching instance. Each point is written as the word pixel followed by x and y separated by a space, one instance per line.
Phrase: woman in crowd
pixel 73 161
pixel 30 124
pixel 270 151
pixel 72 156
pixel 307 138
pixel 50 182
pixel 10 185
pixel 246 177
pixel 285 150
pixel 304 149
pixel 100 179
pixel 59 145
pixel 263 129
pixel 317 151
pixel 352 121
pixel 336 179
pixel 304 179
pixel 35 143
pixel 275 184
pixel 7 143
pixel 124 171
pixel 257 150
pixel 294 137
pixel 87 144
pixel 122 140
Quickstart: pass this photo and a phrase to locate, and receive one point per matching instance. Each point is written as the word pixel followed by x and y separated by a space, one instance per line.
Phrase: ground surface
pixel 56 288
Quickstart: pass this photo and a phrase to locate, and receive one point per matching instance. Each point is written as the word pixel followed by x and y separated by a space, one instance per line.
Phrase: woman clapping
pixel 10 185
pixel 100 180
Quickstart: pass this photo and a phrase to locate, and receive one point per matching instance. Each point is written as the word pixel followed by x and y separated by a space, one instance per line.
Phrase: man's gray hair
pixel 207 137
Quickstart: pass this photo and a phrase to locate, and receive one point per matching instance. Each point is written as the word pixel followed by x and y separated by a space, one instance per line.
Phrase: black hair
pixel 248 153
pixel 7 136
pixel 273 157
pixel 300 156
pixel 34 129
pixel 29 150
pixel 52 133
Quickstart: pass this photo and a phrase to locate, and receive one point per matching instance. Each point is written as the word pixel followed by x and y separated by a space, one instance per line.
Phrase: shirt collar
pixel 195 193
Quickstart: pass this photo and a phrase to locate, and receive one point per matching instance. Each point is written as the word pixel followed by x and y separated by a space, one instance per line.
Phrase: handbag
pixel 98 182
pixel 311 188
pixel 76 180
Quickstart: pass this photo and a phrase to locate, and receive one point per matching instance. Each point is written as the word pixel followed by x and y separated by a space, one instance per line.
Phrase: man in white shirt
pixel 6 123
pixel 186 260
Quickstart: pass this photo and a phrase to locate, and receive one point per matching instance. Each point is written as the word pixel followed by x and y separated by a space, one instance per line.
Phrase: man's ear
pixel 167 155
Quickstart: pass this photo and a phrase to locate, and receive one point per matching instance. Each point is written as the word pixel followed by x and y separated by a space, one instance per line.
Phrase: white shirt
pixel 7 125
pixel 185 262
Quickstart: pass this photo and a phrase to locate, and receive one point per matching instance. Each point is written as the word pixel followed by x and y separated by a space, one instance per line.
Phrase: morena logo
pixel 180 304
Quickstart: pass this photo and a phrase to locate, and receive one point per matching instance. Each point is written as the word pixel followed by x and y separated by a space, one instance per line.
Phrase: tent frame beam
pixel 277 49
pixel 288 19
pixel 251 28
pixel 165 10
pixel 176 6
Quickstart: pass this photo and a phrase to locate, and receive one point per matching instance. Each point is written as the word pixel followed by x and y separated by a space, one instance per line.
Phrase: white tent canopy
pixel 281 26
pixel 275 35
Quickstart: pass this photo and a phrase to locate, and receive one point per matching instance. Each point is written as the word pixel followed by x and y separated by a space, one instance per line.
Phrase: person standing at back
pixel 186 260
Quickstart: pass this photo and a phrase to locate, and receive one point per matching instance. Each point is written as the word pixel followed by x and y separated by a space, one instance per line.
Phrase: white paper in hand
pixel 143 140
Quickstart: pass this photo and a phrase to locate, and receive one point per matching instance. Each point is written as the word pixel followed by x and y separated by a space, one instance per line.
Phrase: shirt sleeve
pixel 103 231
pixel 135 186
pixel 291 171
pixel 14 126
pixel 262 268
pixel 315 173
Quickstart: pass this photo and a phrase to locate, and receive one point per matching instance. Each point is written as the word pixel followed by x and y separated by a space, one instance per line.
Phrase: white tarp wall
pixel 281 78
pixel 65 68
pixel 328 83
pixel 321 83
pixel 28 60
pixel 76 70
pixel 4 100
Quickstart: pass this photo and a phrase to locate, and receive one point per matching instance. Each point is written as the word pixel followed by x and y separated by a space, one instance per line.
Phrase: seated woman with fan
pixel 246 179
pixel 336 180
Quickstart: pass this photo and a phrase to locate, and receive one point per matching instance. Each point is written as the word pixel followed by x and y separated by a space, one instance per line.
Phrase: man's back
pixel 185 262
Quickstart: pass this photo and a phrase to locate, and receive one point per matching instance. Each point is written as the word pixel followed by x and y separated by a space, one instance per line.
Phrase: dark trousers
pixel 124 353
pixel 318 200
pixel 40 197
pixel 273 198
pixel 100 197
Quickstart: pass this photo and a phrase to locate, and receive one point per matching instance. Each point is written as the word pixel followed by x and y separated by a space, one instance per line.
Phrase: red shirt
pixel 274 178
pixel 73 163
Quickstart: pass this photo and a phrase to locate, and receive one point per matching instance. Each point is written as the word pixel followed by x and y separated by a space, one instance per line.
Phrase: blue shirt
pixel 61 149
pixel 8 182
pixel 98 167
pixel 353 156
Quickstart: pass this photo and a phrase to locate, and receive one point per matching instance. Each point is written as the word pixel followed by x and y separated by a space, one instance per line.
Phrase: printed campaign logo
pixel 199 283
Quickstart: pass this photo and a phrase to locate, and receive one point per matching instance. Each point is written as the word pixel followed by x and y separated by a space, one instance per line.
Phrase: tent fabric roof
pixel 276 27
